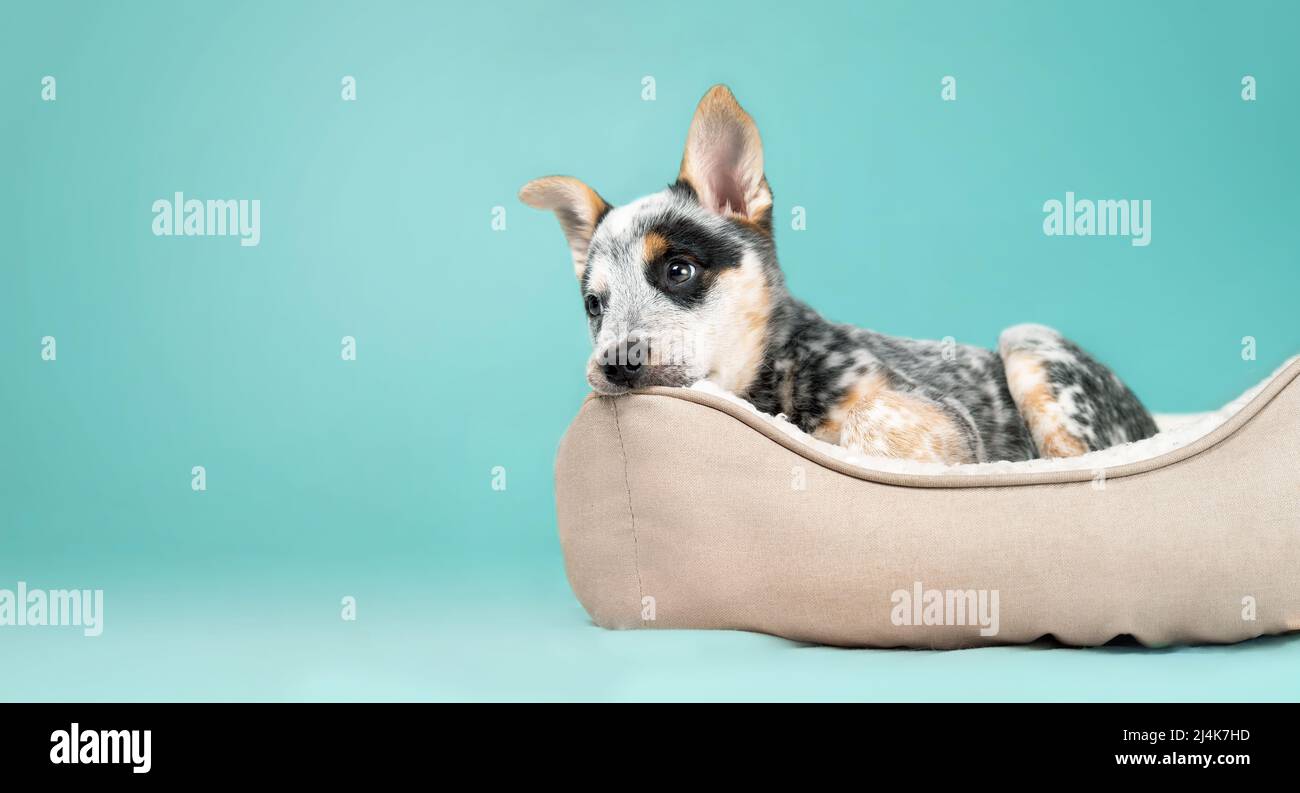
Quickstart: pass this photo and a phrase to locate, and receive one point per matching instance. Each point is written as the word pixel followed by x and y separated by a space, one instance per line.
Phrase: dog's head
pixel 677 286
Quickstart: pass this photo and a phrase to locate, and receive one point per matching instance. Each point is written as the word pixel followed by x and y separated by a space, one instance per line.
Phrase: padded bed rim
pixel 1011 479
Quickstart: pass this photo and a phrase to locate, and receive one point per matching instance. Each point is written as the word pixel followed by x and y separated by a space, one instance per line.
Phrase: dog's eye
pixel 679 272
pixel 594 308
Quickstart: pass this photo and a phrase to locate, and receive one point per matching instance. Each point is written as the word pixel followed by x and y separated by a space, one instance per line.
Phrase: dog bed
pixel 688 508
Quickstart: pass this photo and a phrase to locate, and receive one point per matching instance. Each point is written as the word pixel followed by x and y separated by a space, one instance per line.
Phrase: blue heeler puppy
pixel 683 285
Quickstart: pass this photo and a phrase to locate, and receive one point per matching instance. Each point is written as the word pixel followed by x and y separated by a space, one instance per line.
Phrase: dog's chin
pixel 605 388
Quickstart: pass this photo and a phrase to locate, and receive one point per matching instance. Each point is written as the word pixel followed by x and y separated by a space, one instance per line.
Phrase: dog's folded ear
pixel 723 161
pixel 577 206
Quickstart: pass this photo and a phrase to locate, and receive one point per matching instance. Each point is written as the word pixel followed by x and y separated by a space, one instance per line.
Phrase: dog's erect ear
pixel 577 206
pixel 723 161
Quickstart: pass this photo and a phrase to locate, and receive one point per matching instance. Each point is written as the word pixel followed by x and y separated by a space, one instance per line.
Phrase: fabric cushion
pixel 679 509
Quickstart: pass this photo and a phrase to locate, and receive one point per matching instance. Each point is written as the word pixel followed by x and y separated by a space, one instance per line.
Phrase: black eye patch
pixel 677 244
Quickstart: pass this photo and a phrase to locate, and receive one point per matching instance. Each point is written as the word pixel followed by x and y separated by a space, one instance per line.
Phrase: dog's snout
pixel 622 363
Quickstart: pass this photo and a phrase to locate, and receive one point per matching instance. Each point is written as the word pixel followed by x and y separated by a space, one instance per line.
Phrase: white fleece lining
pixel 1176 430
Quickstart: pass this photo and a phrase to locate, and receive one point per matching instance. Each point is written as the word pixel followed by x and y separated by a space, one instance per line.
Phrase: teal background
pixel 372 478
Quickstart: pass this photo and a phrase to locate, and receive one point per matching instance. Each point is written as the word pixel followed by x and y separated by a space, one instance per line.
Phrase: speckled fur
pixel 738 326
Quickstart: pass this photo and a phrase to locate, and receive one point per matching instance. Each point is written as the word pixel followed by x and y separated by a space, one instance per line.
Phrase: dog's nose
pixel 624 374
pixel 622 362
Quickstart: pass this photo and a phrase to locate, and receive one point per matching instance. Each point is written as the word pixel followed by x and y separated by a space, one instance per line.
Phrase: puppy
pixel 683 285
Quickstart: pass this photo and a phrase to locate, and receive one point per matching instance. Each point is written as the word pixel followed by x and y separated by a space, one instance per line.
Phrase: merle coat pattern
pixel 684 285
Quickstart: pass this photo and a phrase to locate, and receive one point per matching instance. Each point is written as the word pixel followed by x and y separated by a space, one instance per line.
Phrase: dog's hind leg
pixel 1070 402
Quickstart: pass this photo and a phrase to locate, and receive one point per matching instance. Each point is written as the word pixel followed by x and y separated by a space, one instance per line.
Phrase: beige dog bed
pixel 687 508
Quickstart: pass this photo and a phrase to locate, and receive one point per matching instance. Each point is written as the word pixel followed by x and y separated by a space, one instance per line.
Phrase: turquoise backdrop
pixel 373 478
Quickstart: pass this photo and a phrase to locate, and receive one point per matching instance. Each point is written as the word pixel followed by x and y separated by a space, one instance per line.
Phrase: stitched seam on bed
pixel 627 485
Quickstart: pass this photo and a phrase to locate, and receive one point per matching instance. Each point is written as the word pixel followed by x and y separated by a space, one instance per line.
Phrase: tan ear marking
pixel 723 159
pixel 577 206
